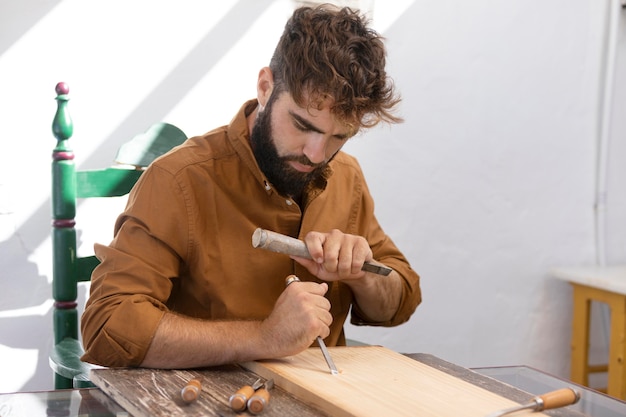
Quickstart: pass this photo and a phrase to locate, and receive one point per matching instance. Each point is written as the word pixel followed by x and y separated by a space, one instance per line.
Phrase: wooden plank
pixel 156 392
pixel 375 381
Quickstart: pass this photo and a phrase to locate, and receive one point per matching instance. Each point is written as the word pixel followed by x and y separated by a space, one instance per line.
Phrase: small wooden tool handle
pixel 559 398
pixel 191 391
pixel 275 242
pixel 239 399
pixel 258 401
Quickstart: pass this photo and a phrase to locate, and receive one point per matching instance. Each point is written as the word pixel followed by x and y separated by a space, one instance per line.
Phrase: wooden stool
pixel 606 285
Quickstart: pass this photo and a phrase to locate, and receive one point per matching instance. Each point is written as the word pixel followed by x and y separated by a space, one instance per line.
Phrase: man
pixel 181 286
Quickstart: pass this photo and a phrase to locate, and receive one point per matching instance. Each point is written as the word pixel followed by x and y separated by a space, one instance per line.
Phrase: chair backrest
pixel 68 185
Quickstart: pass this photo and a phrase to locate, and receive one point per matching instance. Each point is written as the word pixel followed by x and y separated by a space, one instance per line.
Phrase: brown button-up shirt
pixel 183 244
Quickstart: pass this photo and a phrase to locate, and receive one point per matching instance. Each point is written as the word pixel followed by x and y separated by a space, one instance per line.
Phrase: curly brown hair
pixel 329 52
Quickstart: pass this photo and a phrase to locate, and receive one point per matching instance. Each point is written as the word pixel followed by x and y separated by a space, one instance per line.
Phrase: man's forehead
pixel 319 106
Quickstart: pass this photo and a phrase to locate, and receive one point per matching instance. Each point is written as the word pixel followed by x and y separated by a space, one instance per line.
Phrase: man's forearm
pixel 300 314
pixel 378 297
pixel 183 342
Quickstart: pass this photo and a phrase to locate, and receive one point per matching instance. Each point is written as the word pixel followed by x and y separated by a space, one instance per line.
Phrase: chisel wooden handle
pixel 261 398
pixel 258 401
pixel 191 391
pixel 553 399
pixel 558 398
pixel 239 399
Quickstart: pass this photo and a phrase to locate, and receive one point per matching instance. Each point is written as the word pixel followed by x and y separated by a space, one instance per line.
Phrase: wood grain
pixel 376 381
pixel 156 392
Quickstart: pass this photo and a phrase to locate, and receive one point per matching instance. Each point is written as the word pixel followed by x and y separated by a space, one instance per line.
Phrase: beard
pixel 285 179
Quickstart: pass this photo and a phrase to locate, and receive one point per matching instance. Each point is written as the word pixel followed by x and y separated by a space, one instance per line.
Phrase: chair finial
pixel 62 88
pixel 62 126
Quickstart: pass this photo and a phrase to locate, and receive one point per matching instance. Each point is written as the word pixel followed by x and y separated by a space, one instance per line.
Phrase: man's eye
pixel 300 127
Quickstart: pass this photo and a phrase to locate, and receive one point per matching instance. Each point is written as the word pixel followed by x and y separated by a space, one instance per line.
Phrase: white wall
pixel 488 184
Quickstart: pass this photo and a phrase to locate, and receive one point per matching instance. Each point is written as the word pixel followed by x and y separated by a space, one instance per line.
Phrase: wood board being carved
pixel 376 381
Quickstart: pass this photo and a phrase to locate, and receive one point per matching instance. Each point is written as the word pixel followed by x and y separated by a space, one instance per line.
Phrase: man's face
pixel 293 144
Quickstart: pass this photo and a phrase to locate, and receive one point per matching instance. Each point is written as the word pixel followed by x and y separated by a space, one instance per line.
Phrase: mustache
pixel 302 159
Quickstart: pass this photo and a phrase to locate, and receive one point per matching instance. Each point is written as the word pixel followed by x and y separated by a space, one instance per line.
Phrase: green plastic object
pixel 69 185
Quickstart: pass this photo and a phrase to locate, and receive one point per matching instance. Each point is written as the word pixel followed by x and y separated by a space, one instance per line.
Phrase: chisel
pixel 320 341
pixel 554 399
pixel 239 400
pixel 191 391
pixel 275 242
pixel 261 398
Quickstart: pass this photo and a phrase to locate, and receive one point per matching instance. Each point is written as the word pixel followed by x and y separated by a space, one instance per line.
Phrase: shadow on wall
pixel 23 287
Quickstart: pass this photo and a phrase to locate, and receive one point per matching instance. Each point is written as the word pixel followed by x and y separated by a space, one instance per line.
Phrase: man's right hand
pixel 300 314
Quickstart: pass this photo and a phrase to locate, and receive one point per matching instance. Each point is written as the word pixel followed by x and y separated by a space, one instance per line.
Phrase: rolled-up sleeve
pixel 133 282
pixel 384 250
pixel 411 297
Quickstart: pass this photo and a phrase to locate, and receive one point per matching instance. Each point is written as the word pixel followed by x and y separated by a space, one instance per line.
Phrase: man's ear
pixel 264 86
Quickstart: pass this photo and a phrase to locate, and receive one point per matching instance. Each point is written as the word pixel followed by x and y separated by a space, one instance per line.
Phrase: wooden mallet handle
pixel 275 242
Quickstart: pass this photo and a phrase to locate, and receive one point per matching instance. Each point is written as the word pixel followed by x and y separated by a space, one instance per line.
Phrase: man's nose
pixel 315 148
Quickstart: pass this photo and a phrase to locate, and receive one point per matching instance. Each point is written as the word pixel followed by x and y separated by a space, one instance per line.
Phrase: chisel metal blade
pixel 376 269
pixel 329 360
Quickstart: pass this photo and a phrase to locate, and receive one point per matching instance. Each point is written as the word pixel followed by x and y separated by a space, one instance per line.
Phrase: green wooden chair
pixel 68 185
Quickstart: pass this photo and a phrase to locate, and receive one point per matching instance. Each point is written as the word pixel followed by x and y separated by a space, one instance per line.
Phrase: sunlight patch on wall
pixel 98 51
pixel 232 80
pixel 20 364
